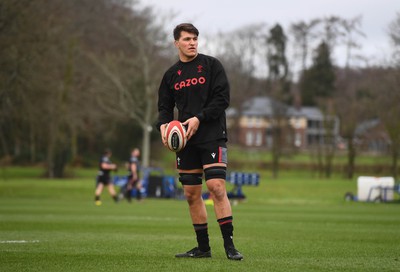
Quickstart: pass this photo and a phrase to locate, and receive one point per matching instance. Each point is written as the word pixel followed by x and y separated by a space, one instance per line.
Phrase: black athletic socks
pixel 138 195
pixel 202 236
pixel 98 202
pixel 226 227
pixel 128 195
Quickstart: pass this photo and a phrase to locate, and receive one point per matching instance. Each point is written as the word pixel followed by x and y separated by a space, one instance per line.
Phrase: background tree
pixel 394 36
pixel 351 98
pixel 240 55
pixel 386 83
pixel 351 29
pixel 303 36
pixel 278 68
pixel 238 50
pixel 77 76
pixel 319 80
pixel 17 32
pixel 353 104
pixel 55 103
pixel 132 73
pixel 387 94
pixel 279 90
pixel 332 32
pixel 26 51
pixel 317 88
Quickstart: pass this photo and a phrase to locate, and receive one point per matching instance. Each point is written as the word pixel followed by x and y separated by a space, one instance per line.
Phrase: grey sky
pixel 224 15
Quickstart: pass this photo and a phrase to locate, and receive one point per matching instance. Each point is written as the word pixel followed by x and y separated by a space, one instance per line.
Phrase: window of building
pixel 259 138
pixel 249 138
pixel 257 122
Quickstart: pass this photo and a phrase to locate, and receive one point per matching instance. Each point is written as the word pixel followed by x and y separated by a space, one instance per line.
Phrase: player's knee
pixel 215 177
pixel 192 193
pixel 215 172
pixel 218 191
pixel 192 197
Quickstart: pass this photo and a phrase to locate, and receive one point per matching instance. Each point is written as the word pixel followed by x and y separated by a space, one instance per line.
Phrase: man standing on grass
pixel 197 85
pixel 104 177
pixel 133 178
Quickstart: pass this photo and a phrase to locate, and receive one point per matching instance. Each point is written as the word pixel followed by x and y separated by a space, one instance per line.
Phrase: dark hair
pixel 187 27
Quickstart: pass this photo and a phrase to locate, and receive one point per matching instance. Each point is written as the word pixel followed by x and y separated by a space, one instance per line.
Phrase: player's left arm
pixel 166 104
pixel 218 101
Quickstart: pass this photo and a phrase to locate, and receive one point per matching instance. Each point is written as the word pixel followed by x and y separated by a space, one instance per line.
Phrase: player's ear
pixel 176 43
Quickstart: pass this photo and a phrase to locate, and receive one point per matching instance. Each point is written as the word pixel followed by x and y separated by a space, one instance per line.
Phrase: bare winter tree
pixel 303 36
pixel 350 93
pixel 332 31
pixel 394 35
pixel 40 56
pixel 132 71
pixel 388 95
pixel 351 30
pixel 386 83
pixel 240 54
pixel 352 102
pixel 51 97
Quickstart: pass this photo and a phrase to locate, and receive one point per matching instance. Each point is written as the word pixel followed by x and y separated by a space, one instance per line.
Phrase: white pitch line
pixel 19 242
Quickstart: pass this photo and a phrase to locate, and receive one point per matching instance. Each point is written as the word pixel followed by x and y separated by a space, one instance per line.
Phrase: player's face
pixel 187 46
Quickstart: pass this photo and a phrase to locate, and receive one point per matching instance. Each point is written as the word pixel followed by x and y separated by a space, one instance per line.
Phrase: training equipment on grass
pixel 175 133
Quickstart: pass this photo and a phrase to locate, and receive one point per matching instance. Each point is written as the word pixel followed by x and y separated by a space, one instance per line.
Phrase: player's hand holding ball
pixel 175 137
pixel 192 125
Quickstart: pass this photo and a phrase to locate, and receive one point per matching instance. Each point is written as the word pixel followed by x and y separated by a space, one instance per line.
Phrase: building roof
pixel 262 106
pixel 366 125
pixel 259 106
pixel 231 112
pixel 308 112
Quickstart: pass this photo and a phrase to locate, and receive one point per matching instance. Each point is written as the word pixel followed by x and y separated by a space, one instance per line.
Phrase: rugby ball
pixel 175 133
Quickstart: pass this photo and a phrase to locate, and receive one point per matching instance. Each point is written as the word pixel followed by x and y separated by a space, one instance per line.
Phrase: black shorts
pixel 131 181
pixel 105 179
pixel 198 155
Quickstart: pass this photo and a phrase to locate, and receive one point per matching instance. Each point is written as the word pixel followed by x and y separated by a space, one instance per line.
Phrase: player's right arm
pixel 163 127
pixel 166 104
pixel 108 166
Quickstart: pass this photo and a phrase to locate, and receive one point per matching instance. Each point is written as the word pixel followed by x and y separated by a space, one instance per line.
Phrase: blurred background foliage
pixel 79 76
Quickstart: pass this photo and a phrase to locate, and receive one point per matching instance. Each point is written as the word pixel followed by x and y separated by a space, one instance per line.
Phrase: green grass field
pixel 296 223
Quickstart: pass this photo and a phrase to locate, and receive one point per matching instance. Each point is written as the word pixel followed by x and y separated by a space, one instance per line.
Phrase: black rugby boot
pixel 233 254
pixel 194 253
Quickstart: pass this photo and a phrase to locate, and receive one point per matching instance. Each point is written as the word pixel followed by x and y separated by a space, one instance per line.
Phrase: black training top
pixel 102 171
pixel 197 88
pixel 134 160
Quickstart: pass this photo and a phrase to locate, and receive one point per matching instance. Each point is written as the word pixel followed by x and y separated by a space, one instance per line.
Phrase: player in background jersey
pixel 133 177
pixel 198 87
pixel 104 177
